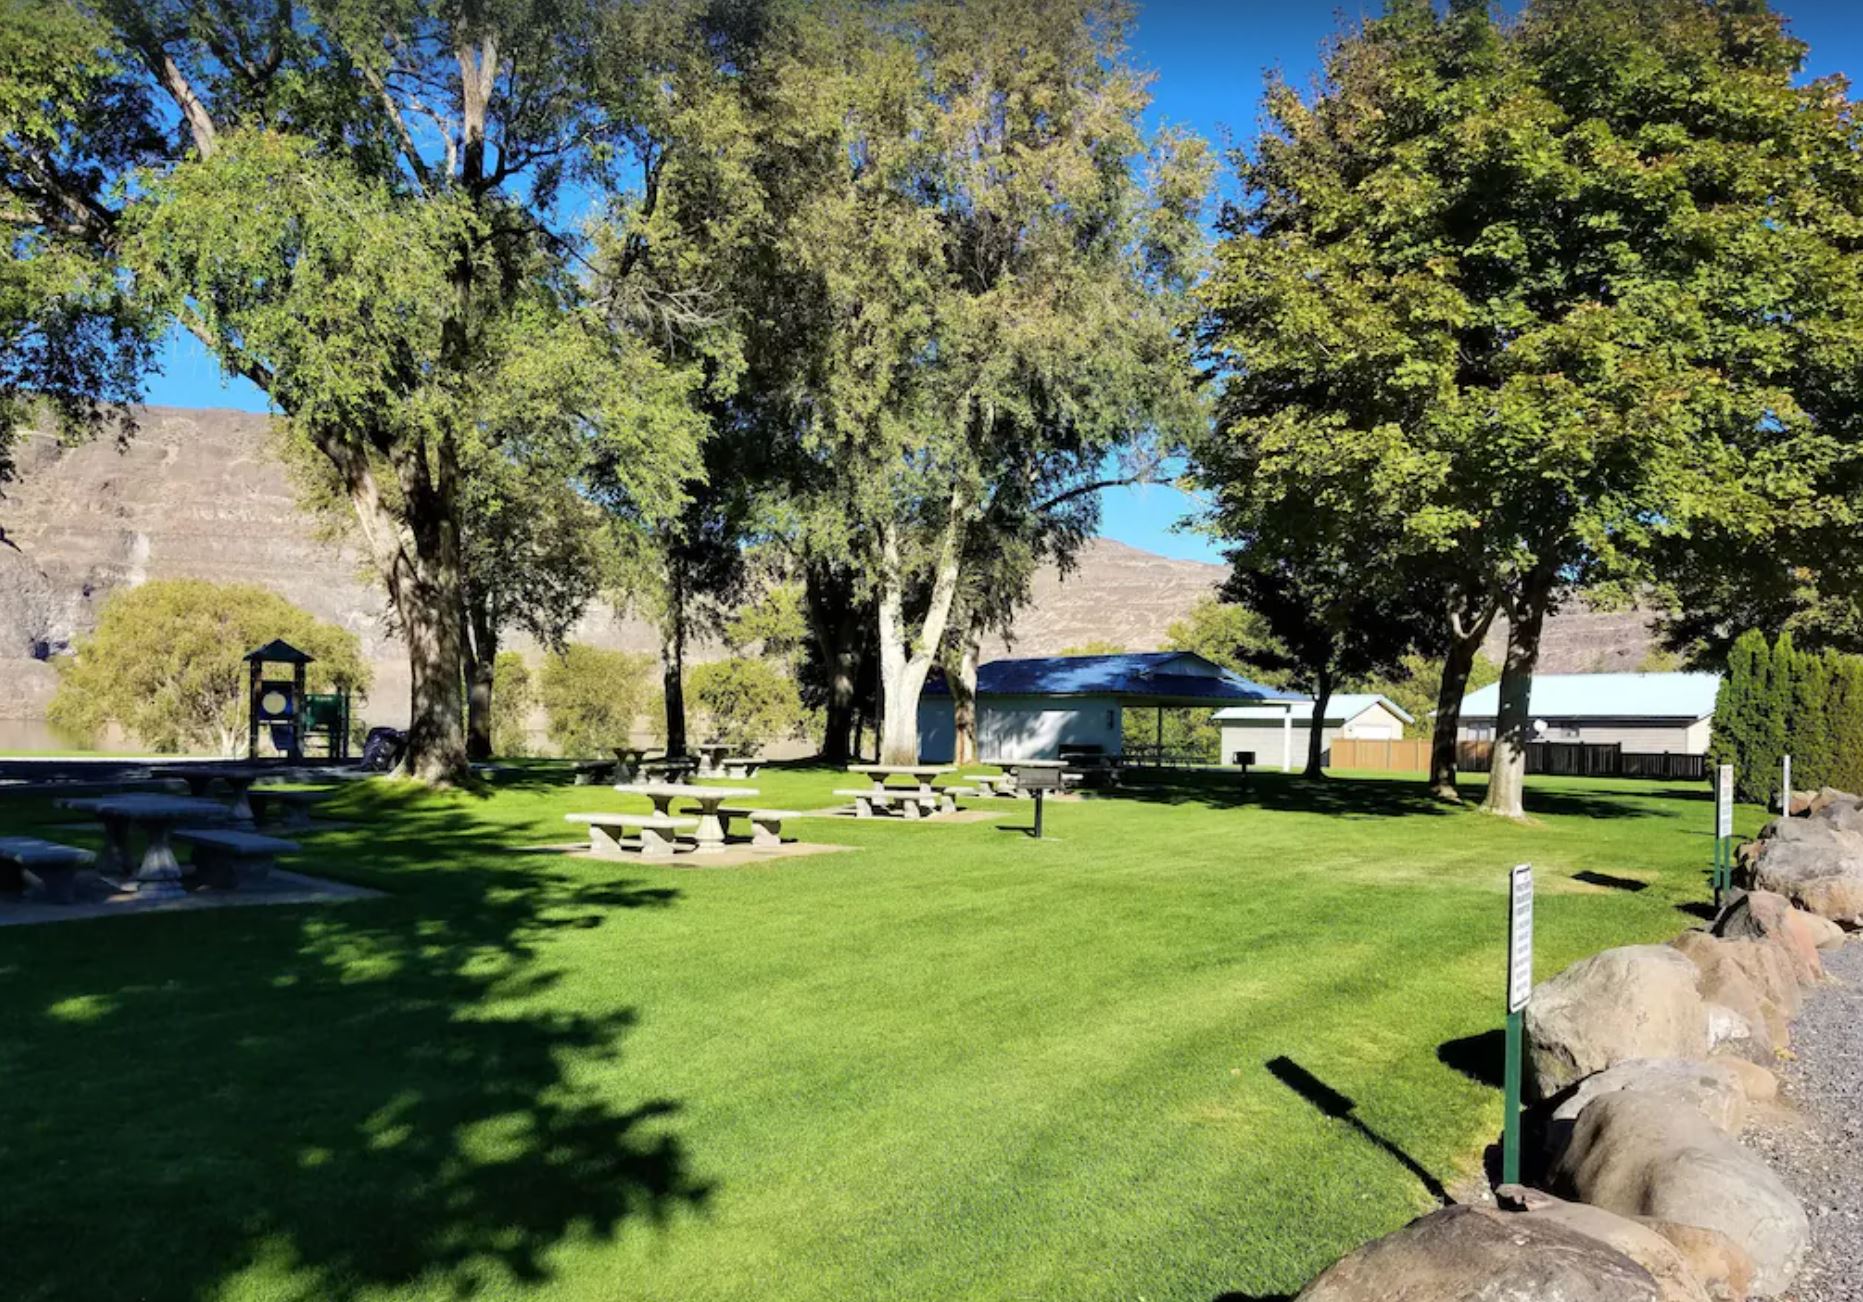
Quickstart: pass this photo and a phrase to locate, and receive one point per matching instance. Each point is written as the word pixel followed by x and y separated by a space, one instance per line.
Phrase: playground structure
pixel 284 714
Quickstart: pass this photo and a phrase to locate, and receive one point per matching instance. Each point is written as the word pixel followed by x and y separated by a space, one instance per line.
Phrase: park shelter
pixel 1279 734
pixel 1030 708
pixel 1649 713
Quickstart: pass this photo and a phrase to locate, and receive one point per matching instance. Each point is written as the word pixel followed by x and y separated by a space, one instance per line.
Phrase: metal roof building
pixel 1028 708
pixel 1641 712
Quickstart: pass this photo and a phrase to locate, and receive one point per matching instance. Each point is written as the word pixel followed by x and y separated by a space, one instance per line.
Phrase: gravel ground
pixel 1819 1151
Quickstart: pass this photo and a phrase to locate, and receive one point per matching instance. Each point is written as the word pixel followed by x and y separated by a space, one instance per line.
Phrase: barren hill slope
pixel 199 493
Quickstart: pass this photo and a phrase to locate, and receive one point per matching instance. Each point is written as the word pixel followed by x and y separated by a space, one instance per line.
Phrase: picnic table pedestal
pixel 709 837
pixel 159 872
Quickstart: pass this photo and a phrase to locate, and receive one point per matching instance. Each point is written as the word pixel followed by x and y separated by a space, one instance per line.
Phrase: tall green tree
pixel 973 284
pixel 1539 294
pixel 1847 724
pixel 354 207
pixel 1740 705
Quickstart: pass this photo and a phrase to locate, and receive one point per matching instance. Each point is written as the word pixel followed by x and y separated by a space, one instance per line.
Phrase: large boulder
pixel 1675 1280
pixel 1748 976
pixel 1473 1254
pixel 1711 1086
pixel 1638 1001
pixel 1816 863
pixel 1764 915
pixel 1830 799
pixel 1640 1155
pixel 1718 1263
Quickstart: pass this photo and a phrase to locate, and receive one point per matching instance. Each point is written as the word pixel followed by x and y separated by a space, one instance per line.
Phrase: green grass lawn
pixel 953 1063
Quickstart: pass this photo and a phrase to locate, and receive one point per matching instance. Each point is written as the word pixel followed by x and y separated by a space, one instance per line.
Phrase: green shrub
pixel 593 697
pixel 743 703
pixel 514 692
pixel 167 663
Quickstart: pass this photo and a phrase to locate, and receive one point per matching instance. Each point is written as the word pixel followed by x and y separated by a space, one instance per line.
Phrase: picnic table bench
pixel 227 856
pixel 709 835
pixel 658 833
pixel 766 825
pixel 740 767
pixel 56 866
pixel 915 801
pixel 285 807
pixel 594 772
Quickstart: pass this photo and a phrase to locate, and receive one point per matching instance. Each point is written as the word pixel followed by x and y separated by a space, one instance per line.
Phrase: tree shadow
pixel 1253 1297
pixel 1330 1102
pixel 1355 797
pixel 391 1095
pixel 1608 880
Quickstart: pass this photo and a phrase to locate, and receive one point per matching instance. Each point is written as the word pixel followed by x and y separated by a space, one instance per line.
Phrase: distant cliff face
pixel 199 493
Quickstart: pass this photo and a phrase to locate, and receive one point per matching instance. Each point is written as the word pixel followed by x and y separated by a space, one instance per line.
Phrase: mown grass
pixel 1201 1041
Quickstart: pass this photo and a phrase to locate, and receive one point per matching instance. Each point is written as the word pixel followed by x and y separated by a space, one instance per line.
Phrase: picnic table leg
pixel 863 806
pixel 710 834
pixel 198 783
pixel 159 874
pixel 115 860
pixel 242 804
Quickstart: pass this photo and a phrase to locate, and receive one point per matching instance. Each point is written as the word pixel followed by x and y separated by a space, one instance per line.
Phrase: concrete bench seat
pixel 948 797
pixel 226 856
pixel 766 825
pixel 590 773
pixel 54 865
pixel 659 833
pixel 740 767
pixel 868 802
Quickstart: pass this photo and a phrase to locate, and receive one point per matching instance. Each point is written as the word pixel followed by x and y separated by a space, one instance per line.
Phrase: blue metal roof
pixel 1607 696
pixel 1147 674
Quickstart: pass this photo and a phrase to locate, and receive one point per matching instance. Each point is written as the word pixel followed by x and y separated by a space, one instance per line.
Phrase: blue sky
pixel 1208 61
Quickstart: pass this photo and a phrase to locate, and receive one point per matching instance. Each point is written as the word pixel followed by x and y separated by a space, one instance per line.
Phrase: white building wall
pixel 1636 736
pixel 1035 727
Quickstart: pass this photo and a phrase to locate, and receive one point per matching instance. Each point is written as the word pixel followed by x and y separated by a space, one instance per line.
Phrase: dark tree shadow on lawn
pixel 361 1098
pixel 1481 1057
pixel 1610 881
pixel 1356 797
pixel 1340 1107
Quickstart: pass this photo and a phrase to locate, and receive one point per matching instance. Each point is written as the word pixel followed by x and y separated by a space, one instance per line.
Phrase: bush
pixel 167 663
pixel 743 703
pixel 513 695
pixel 593 697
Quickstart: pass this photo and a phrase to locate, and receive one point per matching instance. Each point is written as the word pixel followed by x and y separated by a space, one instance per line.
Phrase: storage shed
pixel 1279 735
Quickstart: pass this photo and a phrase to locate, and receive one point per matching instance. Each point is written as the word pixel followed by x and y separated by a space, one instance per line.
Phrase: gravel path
pixel 1819 1152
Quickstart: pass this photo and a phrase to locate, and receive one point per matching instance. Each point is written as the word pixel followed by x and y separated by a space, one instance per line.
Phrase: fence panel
pixel 1379 754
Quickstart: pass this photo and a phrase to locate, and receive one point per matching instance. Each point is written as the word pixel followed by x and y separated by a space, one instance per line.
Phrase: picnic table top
pixel 1026 763
pixel 153 807
pixel 890 769
pixel 686 790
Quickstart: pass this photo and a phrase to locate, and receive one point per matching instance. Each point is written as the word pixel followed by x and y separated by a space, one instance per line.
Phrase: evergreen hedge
pixel 1778 700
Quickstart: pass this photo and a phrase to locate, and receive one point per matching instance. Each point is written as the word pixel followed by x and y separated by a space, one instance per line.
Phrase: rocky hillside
pixel 199 493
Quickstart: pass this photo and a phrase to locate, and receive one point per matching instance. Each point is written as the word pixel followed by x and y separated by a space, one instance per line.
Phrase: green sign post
pixel 1519 989
pixel 1723 832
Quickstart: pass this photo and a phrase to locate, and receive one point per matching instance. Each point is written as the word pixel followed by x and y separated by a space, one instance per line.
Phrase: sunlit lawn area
pixel 953 1063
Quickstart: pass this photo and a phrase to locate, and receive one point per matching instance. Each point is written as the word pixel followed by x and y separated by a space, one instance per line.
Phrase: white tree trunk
pixel 906 660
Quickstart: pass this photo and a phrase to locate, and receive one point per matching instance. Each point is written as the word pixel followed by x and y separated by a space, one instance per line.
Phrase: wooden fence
pixel 1564 758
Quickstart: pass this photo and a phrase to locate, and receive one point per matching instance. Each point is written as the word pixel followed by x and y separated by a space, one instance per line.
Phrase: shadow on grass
pixel 1482 1057
pixel 1332 1103
pixel 1357 797
pixel 1608 880
pixel 378 1097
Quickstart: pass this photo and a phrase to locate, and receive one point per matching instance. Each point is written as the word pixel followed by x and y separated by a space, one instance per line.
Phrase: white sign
pixel 1520 938
pixel 1724 802
pixel 1785 789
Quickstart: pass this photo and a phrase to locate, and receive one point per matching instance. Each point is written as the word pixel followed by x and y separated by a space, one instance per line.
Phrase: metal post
pixel 1039 792
pixel 1510 1101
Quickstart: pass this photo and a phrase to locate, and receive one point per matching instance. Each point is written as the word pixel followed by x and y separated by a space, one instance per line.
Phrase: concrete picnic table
pixel 923 774
pixel 158 873
pixel 710 834
pixel 238 778
pixel 628 760
pixel 711 758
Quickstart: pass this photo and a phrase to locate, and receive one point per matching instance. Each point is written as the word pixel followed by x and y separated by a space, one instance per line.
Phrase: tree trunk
pixel 834 622
pixel 479 643
pixel 962 679
pixel 673 673
pixel 429 613
pixel 1316 735
pixel 1465 639
pixel 906 660
pixel 1507 771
